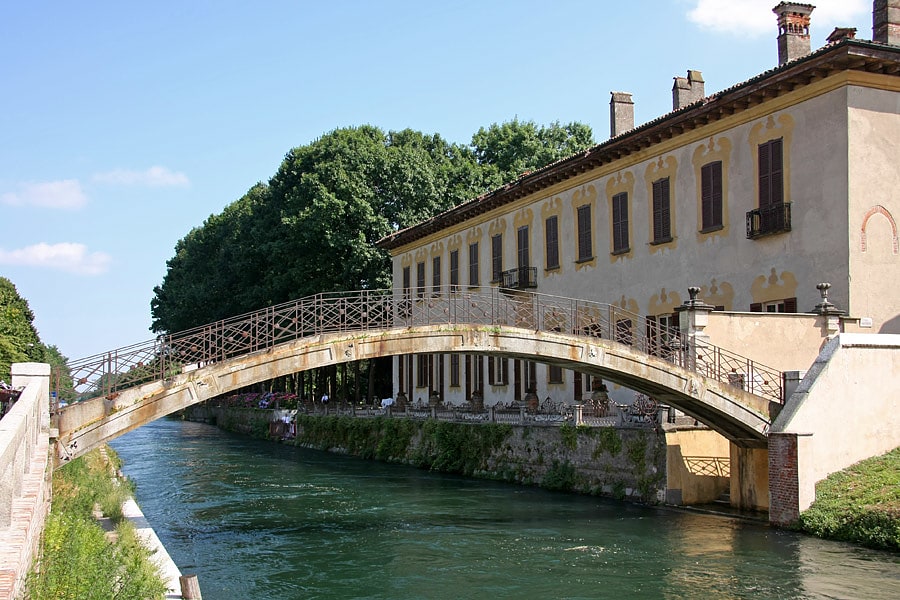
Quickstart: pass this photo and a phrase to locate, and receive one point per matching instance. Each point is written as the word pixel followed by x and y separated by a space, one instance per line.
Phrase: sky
pixel 124 125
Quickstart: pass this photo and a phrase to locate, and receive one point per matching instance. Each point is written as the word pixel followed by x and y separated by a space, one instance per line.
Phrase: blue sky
pixel 124 125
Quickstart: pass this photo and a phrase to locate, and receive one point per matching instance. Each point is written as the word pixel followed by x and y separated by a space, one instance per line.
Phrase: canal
pixel 256 519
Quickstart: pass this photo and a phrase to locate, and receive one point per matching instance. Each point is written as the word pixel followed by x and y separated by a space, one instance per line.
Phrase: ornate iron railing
pixel 107 373
pixel 769 219
pixel 520 278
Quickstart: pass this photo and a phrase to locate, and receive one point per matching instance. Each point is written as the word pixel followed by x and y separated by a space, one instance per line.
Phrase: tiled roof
pixel 847 54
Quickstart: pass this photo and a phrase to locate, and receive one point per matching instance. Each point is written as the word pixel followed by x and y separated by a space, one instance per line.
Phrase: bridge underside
pixel 739 416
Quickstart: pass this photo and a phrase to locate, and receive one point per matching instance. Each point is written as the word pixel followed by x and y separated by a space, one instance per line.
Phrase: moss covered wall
pixel 620 463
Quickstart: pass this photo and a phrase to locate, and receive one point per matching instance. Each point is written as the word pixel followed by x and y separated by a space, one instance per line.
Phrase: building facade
pixel 755 194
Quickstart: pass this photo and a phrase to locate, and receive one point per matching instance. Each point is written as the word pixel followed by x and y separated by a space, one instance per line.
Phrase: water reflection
pixel 261 520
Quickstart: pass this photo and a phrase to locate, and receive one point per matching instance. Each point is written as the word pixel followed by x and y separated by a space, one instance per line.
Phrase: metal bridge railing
pixel 368 310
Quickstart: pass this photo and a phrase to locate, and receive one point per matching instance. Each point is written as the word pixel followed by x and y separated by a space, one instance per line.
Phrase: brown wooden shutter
pixel 765 194
pixel 790 305
pixel 756 307
pixel 491 379
pixel 776 172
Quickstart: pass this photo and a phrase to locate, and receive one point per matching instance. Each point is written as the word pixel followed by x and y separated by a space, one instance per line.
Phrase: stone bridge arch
pixel 741 417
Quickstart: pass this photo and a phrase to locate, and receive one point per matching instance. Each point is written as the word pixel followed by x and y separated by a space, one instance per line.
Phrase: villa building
pixel 754 194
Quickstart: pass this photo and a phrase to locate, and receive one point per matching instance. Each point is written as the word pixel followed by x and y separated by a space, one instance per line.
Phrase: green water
pixel 260 520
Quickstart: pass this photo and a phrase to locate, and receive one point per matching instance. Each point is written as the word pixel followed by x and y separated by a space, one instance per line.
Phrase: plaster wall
pixel 845 409
pixel 798 342
pixel 697 466
pixel 650 278
pixel 874 206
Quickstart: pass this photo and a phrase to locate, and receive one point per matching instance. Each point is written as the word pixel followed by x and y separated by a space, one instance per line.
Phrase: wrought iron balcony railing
pixel 519 278
pixel 768 220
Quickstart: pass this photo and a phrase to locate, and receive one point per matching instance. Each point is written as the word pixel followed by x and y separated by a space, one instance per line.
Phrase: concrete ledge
pixel 150 540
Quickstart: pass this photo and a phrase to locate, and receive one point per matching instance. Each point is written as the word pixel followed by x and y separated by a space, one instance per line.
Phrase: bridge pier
pixel 749 488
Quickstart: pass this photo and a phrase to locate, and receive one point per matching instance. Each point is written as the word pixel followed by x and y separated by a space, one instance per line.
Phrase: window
pixel 554 374
pixel 496 257
pixel 662 217
pixel 530 376
pixel 787 305
pixel 585 246
pixel 551 232
pixel 711 196
pixel 436 275
pixel 663 334
pixel 420 280
pixel 773 214
pixel 620 223
pixel 422 370
pixel 771 182
pixel 473 264
pixel 454 370
pixel 498 370
pixel 624 332
pixel 524 253
pixel 407 283
pixel 478 373
pixel 454 270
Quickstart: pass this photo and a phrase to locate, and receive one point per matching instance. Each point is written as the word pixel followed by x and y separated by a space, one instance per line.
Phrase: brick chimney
pixel 886 22
pixel 687 90
pixel 621 113
pixel 793 30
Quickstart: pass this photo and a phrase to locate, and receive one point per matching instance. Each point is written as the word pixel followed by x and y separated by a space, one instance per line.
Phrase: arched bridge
pixel 134 385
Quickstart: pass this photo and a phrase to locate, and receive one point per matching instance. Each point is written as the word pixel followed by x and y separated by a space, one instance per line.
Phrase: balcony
pixel 519 278
pixel 768 220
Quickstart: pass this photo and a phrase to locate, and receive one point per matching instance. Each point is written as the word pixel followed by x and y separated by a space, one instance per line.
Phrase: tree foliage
pixel 19 339
pixel 312 228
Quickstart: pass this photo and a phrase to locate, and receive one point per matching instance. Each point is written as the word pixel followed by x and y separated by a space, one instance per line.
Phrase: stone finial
pixel 694 303
pixel 825 307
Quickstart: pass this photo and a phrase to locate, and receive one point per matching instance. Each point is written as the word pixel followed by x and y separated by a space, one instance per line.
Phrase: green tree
pixel 313 227
pixel 19 340
pixel 517 147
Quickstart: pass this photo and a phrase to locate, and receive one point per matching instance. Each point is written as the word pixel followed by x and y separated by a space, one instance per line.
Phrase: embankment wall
pixel 622 463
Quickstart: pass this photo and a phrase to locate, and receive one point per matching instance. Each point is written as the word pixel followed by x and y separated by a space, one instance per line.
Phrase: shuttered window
pixel 436 275
pixel 496 257
pixel 662 218
pixel 524 252
pixel 551 231
pixel 585 245
pixel 473 264
pixel 771 182
pixel 711 195
pixel 454 370
pixel 454 270
pixel 420 280
pixel 620 223
pixel 787 305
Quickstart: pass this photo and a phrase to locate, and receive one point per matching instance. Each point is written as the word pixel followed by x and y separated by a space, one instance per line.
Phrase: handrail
pixel 368 310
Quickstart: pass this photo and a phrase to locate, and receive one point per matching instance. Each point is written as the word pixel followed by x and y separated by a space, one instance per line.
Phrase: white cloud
pixel 67 256
pixel 154 176
pixel 752 18
pixel 52 194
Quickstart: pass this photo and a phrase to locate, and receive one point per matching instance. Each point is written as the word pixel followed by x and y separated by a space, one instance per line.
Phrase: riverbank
pixel 861 504
pixel 79 557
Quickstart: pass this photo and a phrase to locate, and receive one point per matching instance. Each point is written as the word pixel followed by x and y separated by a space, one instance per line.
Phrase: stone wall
pixel 622 463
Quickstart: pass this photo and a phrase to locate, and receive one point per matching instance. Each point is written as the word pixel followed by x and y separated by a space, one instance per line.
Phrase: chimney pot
pixel 841 33
pixel 621 113
pixel 793 30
